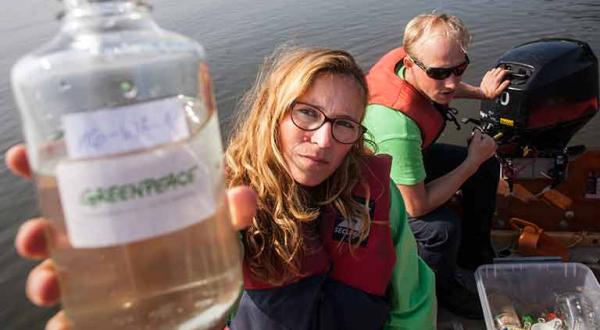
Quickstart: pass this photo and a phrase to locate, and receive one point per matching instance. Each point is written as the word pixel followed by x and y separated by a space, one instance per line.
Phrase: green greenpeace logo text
pixel 144 188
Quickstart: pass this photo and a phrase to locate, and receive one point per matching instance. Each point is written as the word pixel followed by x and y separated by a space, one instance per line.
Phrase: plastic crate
pixel 536 289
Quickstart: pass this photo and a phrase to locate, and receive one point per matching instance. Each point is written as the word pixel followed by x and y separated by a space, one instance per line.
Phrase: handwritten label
pixel 114 201
pixel 117 130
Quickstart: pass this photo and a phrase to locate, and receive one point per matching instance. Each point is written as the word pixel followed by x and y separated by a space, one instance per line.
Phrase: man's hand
pixel 493 83
pixel 481 148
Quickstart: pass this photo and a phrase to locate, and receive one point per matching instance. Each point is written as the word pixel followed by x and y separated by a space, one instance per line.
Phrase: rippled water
pixel 237 35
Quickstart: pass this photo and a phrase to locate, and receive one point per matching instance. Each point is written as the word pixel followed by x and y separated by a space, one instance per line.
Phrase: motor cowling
pixel 553 92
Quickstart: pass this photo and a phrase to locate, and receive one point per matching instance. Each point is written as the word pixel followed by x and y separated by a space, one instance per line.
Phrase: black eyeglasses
pixel 442 73
pixel 308 118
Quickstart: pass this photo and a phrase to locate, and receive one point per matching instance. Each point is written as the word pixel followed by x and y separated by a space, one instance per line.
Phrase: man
pixel 410 89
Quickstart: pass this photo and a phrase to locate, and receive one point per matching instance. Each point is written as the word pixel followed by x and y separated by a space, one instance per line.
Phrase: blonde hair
pixel 427 25
pixel 274 243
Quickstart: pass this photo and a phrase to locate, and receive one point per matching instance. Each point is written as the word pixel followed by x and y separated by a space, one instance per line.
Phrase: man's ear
pixel 407 62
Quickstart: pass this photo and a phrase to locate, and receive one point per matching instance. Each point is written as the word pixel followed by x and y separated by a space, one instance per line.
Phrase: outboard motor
pixel 552 94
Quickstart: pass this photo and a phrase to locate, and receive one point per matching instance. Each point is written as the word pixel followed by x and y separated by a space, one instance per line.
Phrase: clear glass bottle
pixel 123 138
pixel 503 311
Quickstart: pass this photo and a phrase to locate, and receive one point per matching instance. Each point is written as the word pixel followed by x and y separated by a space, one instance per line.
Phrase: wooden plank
pixel 564 208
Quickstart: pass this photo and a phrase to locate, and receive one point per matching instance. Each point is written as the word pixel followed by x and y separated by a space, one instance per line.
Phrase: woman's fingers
pixel 242 206
pixel 16 161
pixel 59 322
pixel 42 284
pixel 31 239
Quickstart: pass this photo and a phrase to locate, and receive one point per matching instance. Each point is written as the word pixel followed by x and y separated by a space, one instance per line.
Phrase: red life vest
pixel 367 266
pixel 387 89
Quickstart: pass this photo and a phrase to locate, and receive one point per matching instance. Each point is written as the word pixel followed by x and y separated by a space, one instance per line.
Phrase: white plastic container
pixel 536 288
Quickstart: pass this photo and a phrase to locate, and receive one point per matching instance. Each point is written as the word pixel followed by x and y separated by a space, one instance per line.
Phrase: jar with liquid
pixel 123 139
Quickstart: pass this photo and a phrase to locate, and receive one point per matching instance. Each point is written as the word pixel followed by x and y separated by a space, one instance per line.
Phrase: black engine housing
pixel 552 94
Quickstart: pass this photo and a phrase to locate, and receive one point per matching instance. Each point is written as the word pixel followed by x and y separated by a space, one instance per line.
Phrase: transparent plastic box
pixel 510 291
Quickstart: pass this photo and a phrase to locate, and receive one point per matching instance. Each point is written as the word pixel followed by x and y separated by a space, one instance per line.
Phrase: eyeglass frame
pixel 326 119
pixel 447 71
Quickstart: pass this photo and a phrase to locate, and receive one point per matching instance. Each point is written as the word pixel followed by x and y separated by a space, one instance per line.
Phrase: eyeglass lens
pixel 309 118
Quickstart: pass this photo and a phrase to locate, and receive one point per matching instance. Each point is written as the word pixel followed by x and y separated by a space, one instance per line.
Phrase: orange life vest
pixel 387 89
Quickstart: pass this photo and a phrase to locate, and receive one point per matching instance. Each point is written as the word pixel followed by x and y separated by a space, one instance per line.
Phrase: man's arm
pixel 421 198
pixel 492 85
pixel 467 91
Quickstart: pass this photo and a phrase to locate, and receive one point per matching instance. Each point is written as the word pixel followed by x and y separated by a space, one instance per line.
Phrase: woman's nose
pixel 323 136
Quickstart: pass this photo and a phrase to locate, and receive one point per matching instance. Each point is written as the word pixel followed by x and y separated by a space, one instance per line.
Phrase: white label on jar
pixel 133 127
pixel 128 198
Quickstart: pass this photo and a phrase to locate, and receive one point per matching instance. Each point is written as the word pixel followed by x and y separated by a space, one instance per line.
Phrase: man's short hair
pixel 427 25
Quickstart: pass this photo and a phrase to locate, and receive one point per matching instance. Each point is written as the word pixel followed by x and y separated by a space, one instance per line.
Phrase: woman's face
pixel 312 156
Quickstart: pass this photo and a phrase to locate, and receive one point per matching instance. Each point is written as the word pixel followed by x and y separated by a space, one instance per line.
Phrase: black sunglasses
pixel 442 73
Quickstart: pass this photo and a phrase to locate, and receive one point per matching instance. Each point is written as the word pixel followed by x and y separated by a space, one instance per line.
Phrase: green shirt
pixel 397 135
pixel 412 288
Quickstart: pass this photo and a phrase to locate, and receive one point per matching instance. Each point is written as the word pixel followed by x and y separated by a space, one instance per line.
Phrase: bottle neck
pixel 80 8
pixel 94 14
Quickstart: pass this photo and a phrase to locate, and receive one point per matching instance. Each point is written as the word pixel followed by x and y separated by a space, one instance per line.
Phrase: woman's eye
pixel 345 123
pixel 309 112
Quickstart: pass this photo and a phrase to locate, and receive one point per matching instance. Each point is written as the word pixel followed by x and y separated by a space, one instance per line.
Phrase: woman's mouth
pixel 315 160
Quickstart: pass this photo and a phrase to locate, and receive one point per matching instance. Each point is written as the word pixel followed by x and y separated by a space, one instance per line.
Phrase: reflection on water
pixel 239 33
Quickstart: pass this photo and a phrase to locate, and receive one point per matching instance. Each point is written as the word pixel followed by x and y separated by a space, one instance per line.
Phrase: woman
pixel 329 247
